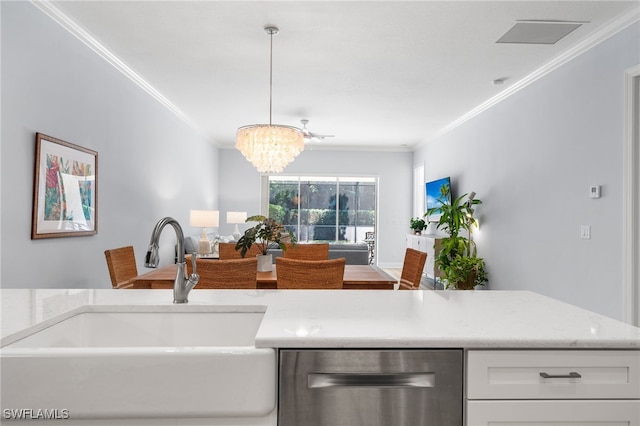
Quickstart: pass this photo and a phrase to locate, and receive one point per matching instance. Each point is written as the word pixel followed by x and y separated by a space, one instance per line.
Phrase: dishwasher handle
pixel 377 380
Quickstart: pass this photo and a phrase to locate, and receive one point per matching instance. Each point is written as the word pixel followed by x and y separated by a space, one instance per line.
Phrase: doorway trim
pixel 631 199
pixel 418 190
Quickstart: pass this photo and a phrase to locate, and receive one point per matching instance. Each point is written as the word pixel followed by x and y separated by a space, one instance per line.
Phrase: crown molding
pixel 599 36
pixel 328 146
pixel 85 37
pixel 613 27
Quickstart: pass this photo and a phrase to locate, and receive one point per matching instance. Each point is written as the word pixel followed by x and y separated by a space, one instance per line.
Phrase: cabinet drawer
pixel 556 413
pixel 536 374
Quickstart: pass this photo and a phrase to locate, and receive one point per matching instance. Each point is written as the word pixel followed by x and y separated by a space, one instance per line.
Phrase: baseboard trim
pixel 385 265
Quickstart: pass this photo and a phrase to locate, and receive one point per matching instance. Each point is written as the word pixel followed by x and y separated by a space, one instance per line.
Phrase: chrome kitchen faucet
pixel 182 285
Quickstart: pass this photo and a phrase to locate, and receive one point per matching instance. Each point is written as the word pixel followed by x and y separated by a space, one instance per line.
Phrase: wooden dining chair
pixel 312 251
pixel 309 274
pixel 412 267
pixel 228 251
pixel 226 274
pixel 122 266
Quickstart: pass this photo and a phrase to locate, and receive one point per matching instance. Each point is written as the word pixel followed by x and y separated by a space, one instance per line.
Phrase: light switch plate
pixel 594 191
pixel 585 232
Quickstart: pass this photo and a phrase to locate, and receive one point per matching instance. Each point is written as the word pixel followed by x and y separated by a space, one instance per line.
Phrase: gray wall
pixel 531 159
pixel 150 164
pixel 393 169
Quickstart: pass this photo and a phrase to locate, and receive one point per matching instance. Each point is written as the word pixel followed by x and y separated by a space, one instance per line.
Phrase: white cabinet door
pixel 566 374
pixel 553 413
pixel 412 242
pixel 425 244
pixel 428 247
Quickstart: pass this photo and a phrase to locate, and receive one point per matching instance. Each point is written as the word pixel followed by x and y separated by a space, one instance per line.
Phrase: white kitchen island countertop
pixel 355 318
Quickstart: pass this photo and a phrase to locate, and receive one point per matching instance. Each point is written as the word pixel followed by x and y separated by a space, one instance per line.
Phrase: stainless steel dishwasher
pixel 370 387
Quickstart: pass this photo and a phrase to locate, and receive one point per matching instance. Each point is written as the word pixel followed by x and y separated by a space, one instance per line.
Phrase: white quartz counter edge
pixel 354 319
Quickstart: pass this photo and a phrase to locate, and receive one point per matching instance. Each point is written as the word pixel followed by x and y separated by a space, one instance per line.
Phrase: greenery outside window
pixel 324 208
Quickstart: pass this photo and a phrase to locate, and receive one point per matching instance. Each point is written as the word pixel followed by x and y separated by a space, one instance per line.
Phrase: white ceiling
pixel 377 74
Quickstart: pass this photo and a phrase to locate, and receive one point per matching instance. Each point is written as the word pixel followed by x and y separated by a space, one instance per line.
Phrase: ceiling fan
pixel 312 137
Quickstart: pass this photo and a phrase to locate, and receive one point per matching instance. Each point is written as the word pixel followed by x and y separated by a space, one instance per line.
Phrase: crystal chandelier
pixel 270 147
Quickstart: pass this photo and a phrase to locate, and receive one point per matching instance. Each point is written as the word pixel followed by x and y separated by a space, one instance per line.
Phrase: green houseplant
pixel 417 225
pixel 268 233
pixel 457 257
pixel 466 272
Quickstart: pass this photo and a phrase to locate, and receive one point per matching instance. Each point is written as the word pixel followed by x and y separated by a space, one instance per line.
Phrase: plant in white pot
pixel 417 225
pixel 268 233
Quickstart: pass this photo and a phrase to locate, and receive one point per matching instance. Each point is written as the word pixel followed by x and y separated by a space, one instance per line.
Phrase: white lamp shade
pixel 236 217
pixel 204 218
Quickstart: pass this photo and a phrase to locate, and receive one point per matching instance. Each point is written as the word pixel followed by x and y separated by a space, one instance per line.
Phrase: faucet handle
pixel 193 262
pixel 194 278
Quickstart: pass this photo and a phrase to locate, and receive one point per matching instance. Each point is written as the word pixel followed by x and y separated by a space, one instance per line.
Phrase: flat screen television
pixel 438 193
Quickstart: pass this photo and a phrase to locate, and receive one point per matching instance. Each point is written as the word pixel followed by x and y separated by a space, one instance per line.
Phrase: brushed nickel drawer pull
pixel 571 375
pixel 387 380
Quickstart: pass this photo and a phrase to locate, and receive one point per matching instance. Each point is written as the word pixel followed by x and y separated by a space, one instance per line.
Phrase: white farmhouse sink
pixel 147 329
pixel 170 363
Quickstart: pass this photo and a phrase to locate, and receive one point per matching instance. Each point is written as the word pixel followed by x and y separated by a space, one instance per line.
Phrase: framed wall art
pixel 65 193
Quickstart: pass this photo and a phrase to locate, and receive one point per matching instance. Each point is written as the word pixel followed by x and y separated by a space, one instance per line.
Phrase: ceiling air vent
pixel 538 32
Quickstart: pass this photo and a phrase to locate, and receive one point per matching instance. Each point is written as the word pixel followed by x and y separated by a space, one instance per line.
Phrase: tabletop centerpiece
pixel 266 234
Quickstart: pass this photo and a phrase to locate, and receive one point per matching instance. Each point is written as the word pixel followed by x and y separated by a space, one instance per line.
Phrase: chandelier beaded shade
pixel 270 147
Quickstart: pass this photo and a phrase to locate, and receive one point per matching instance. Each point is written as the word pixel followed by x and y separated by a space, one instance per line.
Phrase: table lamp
pixel 204 219
pixel 236 217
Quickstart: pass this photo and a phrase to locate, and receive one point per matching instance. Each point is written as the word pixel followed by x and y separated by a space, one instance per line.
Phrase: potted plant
pixel 457 258
pixel 417 225
pixel 466 272
pixel 268 233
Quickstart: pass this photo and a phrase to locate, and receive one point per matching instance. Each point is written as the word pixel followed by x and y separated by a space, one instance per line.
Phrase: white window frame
pixel 265 180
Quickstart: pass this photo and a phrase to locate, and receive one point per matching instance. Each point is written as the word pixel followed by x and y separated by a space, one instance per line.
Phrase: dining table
pixel 356 277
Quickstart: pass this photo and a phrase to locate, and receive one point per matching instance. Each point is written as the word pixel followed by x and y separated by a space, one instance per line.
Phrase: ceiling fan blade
pixel 309 136
pixel 319 136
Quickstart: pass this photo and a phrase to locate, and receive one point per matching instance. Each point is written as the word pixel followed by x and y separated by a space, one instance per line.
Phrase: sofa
pixel 354 253
pixel 191 242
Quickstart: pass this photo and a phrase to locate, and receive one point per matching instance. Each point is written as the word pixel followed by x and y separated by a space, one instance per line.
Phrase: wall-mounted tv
pixel 438 193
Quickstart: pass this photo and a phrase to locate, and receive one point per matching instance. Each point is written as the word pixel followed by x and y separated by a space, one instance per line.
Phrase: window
pixel 322 208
